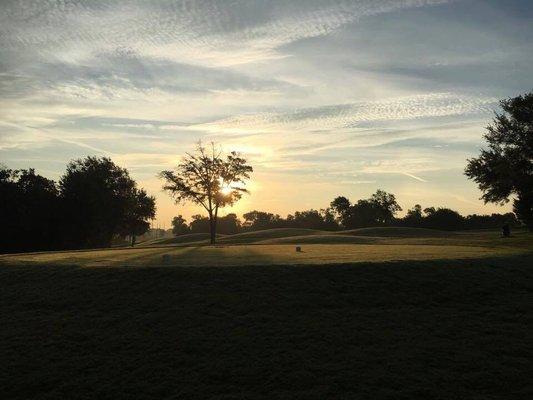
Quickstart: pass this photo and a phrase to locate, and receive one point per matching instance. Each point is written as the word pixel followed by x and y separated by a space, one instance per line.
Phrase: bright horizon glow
pixel 323 97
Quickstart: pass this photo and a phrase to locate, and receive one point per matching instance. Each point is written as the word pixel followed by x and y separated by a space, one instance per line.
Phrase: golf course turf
pixel 441 327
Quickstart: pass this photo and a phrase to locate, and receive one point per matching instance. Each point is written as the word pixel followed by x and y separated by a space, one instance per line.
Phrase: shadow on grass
pixel 160 257
pixel 414 330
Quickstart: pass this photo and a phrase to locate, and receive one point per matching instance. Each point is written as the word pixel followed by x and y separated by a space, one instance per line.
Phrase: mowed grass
pixel 277 247
pixel 411 318
pixel 242 255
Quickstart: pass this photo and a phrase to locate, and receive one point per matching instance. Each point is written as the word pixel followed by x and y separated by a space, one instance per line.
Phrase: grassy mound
pixel 257 236
pixel 322 239
pixel 301 235
pixel 395 231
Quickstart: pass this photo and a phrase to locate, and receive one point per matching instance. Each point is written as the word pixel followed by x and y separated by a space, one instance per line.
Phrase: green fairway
pixel 277 247
pixel 241 255
pixel 394 318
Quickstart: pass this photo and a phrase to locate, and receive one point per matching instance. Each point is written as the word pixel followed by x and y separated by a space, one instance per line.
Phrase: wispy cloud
pixel 208 32
pixel 353 115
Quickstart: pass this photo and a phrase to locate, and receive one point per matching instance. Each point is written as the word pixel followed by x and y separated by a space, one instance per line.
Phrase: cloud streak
pixel 355 115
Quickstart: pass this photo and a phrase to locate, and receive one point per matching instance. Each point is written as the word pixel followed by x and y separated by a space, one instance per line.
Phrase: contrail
pixel 414 177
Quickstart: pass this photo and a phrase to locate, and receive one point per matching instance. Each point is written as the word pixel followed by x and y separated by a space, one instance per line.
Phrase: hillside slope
pixel 396 231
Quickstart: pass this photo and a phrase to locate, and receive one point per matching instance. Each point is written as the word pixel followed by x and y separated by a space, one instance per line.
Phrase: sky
pixel 323 97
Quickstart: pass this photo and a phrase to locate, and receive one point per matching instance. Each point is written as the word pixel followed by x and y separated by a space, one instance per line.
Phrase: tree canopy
pixel 94 201
pixel 179 226
pixel 102 200
pixel 210 179
pixel 29 211
pixel 379 209
pixel 138 211
pixel 505 168
pixel 257 220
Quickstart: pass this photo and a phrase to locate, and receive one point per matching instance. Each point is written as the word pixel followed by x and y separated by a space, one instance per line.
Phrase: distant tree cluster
pixel 309 219
pixel 226 225
pixel 93 202
pixel 378 210
pixel 447 219
pixel 256 220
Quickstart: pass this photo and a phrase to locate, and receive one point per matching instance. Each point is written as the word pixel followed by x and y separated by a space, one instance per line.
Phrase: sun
pixel 226 190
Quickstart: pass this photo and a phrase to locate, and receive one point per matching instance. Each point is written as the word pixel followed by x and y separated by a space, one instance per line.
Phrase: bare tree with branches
pixel 208 178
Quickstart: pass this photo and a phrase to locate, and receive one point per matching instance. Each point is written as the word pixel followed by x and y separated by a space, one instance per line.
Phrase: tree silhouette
pixel 415 212
pixel 312 219
pixel 29 211
pixel 226 225
pixel 377 210
pixel 341 207
pixel 209 179
pixel 179 226
pixel 443 218
pixel 101 200
pixel 386 206
pixel 200 224
pixel 139 209
pixel 413 217
pixel 229 224
pixel 257 220
pixel 505 168
pixel 94 201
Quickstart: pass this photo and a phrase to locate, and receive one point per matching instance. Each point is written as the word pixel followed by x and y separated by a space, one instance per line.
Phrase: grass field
pixel 400 316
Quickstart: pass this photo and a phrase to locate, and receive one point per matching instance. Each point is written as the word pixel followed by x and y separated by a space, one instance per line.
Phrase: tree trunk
pixel 212 228
pixel 215 220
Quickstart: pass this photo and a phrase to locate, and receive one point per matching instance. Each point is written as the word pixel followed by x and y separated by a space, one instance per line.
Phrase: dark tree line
pixel 378 210
pixel 256 220
pixel 447 219
pixel 94 202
